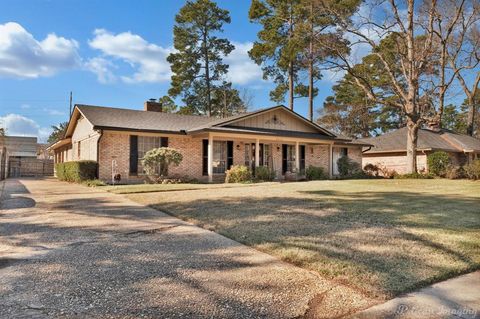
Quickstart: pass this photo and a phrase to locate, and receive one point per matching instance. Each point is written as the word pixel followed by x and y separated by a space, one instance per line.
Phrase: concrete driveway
pixel 71 251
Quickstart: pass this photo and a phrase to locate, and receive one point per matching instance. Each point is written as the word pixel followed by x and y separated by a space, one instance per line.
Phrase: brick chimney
pixel 434 125
pixel 152 106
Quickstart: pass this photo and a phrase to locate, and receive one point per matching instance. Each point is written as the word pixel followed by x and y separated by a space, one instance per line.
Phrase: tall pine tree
pixel 197 64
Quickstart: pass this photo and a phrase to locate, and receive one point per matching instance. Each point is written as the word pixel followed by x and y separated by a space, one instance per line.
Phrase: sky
pixel 108 53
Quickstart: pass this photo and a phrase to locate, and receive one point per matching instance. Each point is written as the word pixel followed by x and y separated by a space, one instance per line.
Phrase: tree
pixel 197 63
pixel 464 57
pixel 228 101
pixel 58 132
pixel 454 120
pixel 405 59
pixel 279 46
pixel 168 104
pixel 2 131
pixel 157 161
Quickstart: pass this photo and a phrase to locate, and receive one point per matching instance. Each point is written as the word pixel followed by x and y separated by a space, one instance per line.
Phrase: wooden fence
pixel 29 167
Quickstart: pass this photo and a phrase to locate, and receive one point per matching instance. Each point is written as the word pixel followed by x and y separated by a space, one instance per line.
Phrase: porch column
pixel 257 152
pixel 210 158
pixel 297 157
pixel 330 161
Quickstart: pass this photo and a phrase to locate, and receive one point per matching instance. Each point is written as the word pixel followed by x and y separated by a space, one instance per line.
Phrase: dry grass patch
pixel 381 237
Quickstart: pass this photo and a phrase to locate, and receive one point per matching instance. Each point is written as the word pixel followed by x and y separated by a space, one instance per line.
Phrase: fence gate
pixel 29 167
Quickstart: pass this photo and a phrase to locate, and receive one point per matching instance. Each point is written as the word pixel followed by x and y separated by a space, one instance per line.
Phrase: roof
pixel 146 121
pixel 442 140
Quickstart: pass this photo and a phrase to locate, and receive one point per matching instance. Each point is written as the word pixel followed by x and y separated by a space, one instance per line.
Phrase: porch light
pixel 238 147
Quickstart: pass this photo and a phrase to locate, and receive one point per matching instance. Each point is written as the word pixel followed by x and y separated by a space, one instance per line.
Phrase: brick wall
pixel 319 157
pixel 395 161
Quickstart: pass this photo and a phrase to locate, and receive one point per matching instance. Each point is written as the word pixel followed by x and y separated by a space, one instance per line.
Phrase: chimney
pixel 152 106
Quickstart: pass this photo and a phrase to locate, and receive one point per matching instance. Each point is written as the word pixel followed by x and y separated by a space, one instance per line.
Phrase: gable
pixel 82 129
pixel 276 119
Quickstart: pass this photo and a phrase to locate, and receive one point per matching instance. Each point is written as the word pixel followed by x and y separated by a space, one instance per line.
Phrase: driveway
pixel 71 251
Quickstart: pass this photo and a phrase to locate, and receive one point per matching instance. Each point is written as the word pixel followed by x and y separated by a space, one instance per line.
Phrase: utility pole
pixel 70 104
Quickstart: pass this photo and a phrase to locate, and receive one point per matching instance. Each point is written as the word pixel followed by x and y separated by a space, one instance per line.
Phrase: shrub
pixel 264 173
pixel 454 172
pixel 371 169
pixel 313 173
pixel 238 174
pixel 347 167
pixel 157 160
pixel 472 170
pixel 438 163
pixel 413 176
pixel 387 173
pixel 76 171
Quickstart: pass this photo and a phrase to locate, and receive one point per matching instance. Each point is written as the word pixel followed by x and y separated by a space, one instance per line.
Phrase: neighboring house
pixel 390 150
pixel 19 157
pixel 276 137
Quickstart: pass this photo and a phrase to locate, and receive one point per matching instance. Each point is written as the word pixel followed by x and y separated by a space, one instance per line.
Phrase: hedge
pixel 76 171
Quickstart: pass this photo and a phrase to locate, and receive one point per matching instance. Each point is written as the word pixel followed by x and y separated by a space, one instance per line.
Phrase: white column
pixel 297 157
pixel 330 162
pixel 257 152
pixel 210 158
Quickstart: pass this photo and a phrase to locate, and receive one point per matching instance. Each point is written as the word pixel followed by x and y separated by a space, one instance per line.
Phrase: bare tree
pixel 464 56
pixel 405 60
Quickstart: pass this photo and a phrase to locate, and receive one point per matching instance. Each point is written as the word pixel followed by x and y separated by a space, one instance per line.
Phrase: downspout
pixel 98 152
pixel 368 149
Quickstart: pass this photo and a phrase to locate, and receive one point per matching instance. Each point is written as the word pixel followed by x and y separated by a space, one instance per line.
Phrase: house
pixel 275 137
pixel 19 157
pixel 390 150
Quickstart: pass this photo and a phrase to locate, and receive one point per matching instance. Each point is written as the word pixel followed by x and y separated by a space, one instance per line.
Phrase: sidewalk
pixel 455 298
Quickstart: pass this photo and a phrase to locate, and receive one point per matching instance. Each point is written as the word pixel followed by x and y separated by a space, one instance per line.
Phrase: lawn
pixel 150 188
pixel 381 237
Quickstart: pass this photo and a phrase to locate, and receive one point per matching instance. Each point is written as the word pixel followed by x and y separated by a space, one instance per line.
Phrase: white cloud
pixel 53 112
pixel 149 60
pixel 25 106
pixel 242 69
pixel 16 124
pixel 102 68
pixel 22 56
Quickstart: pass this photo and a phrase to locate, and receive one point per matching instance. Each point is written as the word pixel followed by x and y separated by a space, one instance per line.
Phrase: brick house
pixel 276 137
pixel 390 150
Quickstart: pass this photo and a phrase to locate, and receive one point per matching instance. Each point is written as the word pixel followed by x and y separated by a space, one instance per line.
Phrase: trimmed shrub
pixel 472 170
pixel 94 183
pixel 238 174
pixel 347 167
pixel 313 173
pixel 264 173
pixel 414 176
pixel 387 173
pixel 156 161
pixel 76 171
pixel 438 163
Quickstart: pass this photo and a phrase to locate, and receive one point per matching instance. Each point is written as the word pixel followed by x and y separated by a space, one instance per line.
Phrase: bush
pixel 438 163
pixel 94 183
pixel 371 169
pixel 313 173
pixel 347 167
pixel 472 170
pixel 238 174
pixel 387 173
pixel 157 160
pixel 264 173
pixel 454 172
pixel 76 171
pixel 414 176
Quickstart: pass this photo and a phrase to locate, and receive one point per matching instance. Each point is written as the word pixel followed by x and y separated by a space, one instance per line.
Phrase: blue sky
pixel 108 53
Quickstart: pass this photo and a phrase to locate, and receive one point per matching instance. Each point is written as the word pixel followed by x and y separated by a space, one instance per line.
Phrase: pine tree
pixel 197 65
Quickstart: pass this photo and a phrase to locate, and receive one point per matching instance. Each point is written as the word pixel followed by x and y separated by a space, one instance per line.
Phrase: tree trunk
pixel 471 115
pixel 290 85
pixel 310 68
pixel 412 137
pixel 207 74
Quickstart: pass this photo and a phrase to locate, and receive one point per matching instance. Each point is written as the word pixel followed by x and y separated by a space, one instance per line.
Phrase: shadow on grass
pixel 381 243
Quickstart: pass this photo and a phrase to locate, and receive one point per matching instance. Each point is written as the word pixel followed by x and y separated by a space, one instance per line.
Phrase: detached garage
pixel 390 150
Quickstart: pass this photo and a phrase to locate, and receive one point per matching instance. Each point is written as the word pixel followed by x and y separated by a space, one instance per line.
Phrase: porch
pixel 286 156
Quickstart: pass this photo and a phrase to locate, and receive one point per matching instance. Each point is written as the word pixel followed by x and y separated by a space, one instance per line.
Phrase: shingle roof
pixel 396 141
pixel 109 117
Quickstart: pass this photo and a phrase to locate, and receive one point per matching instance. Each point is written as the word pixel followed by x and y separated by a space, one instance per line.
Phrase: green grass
pixel 381 237
pixel 150 188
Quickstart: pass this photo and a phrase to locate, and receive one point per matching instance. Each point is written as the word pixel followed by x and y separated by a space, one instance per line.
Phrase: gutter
pixel 368 149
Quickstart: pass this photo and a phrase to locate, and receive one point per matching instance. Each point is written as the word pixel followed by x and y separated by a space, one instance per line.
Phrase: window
pixel 145 144
pixel 290 158
pixel 343 152
pixel 79 148
pixel 219 157
pixel 267 157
